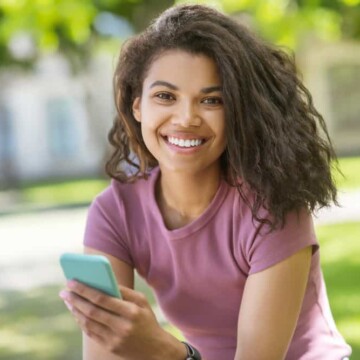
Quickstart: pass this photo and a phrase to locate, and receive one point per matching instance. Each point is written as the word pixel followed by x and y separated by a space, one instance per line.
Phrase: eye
pixel 165 96
pixel 213 101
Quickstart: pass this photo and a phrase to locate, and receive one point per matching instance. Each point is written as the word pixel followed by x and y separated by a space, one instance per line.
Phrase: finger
pixel 90 327
pixel 95 296
pixel 134 296
pixel 92 311
pixel 123 308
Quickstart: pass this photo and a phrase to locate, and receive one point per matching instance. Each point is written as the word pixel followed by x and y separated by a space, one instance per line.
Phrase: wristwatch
pixel 192 353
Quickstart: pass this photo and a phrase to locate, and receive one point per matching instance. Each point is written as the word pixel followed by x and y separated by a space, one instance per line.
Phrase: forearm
pixel 270 308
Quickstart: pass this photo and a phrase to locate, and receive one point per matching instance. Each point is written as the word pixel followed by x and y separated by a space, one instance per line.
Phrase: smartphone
pixel 92 270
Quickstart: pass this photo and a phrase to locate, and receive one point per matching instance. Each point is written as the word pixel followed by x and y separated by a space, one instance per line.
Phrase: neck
pixel 183 197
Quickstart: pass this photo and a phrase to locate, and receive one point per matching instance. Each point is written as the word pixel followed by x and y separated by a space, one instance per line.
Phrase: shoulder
pixel 119 194
pixel 117 206
pixel 244 199
pixel 259 244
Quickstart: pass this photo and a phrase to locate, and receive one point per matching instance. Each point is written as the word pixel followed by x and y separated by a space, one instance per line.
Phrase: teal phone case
pixel 92 270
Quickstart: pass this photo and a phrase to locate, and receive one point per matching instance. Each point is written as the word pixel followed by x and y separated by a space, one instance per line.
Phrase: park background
pixel 56 107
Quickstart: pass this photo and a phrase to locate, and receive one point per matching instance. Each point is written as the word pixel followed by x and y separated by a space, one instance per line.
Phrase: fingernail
pixel 68 305
pixel 64 294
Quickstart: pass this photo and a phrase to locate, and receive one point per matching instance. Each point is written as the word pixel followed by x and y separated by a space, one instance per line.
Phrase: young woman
pixel 216 216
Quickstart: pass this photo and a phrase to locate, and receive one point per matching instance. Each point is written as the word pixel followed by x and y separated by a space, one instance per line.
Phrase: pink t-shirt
pixel 198 272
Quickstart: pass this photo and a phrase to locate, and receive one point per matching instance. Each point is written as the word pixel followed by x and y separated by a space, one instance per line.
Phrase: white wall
pixel 27 97
pixel 315 62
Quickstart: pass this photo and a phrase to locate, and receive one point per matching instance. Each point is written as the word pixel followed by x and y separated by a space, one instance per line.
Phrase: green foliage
pixel 64 25
pixel 289 22
pixel 45 20
pixel 68 25
pixel 48 25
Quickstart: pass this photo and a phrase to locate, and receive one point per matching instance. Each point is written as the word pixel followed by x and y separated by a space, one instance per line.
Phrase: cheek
pixel 154 115
pixel 149 134
pixel 146 134
pixel 221 131
pixel 219 127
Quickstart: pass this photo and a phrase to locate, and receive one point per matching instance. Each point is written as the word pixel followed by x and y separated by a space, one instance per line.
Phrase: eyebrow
pixel 206 90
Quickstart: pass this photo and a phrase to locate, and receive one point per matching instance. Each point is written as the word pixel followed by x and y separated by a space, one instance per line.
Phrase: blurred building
pixel 332 74
pixel 53 124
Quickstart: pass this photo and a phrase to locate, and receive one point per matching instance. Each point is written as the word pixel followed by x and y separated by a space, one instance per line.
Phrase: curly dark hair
pixel 277 142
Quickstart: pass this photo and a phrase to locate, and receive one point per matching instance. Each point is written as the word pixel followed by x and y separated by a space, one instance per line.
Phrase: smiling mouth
pixel 184 143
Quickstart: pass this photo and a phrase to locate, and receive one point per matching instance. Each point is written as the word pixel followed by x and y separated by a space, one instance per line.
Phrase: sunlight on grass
pixel 61 322
pixel 348 303
pixel 350 167
pixel 340 242
pixel 42 346
pixel 35 325
pixel 340 261
pixel 77 191
pixel 350 329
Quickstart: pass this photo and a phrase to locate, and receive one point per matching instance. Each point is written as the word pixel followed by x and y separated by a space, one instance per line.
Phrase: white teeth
pixel 184 143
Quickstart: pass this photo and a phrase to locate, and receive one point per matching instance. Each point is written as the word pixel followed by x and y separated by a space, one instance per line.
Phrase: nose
pixel 186 115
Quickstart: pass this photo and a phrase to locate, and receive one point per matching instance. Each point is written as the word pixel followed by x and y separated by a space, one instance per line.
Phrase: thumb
pixel 134 296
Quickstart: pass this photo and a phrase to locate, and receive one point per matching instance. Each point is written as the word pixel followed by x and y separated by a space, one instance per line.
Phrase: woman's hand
pixel 126 327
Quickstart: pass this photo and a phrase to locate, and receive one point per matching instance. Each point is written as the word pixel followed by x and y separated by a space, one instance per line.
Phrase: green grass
pixel 340 249
pixel 35 325
pixel 350 167
pixel 68 192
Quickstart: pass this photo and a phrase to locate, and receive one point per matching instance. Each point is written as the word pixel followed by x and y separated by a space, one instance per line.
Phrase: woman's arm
pixel 270 308
pixel 115 329
pixel 125 276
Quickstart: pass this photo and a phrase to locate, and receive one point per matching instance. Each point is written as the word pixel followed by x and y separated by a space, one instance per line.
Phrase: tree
pixel 69 26
pixel 287 22
pixel 28 28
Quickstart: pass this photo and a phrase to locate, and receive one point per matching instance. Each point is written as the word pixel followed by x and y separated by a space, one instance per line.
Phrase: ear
pixel 136 109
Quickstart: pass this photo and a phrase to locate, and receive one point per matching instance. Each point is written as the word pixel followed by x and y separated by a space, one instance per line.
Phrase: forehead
pixel 183 69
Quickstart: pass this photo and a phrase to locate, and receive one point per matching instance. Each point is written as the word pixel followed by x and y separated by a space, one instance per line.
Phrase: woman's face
pixel 181 112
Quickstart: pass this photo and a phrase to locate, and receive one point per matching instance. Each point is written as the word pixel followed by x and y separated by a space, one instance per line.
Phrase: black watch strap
pixel 192 353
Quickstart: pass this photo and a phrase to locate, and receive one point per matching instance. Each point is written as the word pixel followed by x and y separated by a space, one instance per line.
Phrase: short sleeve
pixel 268 248
pixel 104 230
